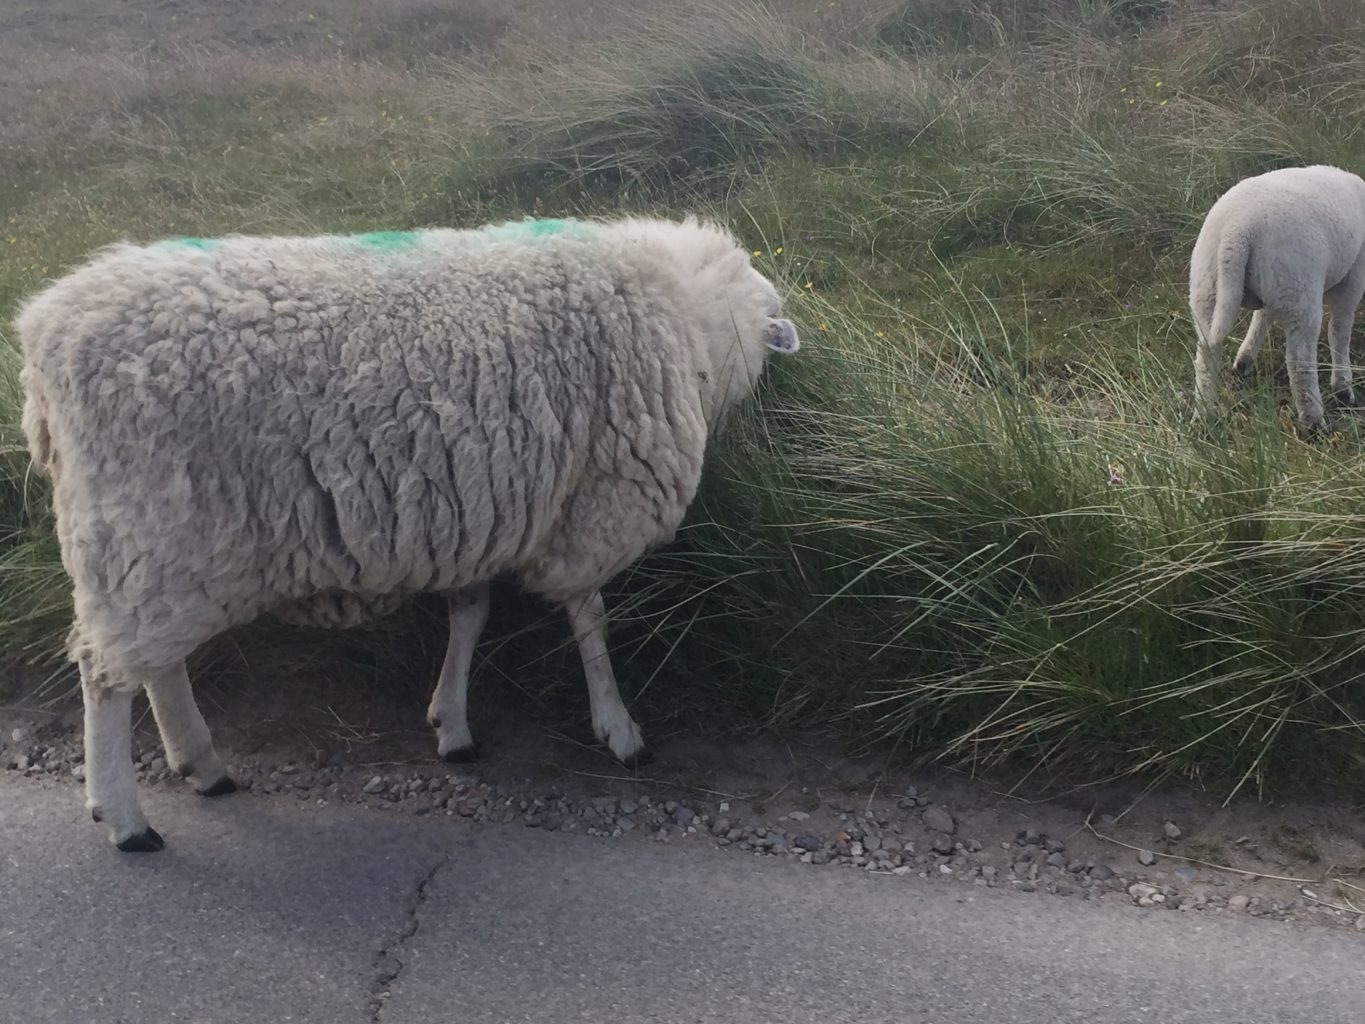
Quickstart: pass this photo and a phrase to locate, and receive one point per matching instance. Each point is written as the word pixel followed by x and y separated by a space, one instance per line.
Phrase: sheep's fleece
pixel 319 426
pixel 1281 243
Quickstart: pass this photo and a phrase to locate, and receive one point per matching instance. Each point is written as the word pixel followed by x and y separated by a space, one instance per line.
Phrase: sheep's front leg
pixel 189 746
pixel 448 712
pixel 110 781
pixel 1245 362
pixel 1302 330
pixel 611 722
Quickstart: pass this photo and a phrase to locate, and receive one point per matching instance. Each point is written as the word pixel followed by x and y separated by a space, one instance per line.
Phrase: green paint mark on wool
pixel 387 239
pixel 193 243
pixel 536 227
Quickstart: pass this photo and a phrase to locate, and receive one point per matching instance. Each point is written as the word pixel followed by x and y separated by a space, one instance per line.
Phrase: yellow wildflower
pixel 777 251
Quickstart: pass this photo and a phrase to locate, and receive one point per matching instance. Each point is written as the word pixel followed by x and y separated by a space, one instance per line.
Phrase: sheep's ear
pixel 780 336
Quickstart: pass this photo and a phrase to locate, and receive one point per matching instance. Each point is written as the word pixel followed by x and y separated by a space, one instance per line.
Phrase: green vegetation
pixel 970 518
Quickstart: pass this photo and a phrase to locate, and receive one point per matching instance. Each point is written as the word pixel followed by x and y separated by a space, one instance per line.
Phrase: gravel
pixel 1145 895
pixel 902 836
pixel 938 820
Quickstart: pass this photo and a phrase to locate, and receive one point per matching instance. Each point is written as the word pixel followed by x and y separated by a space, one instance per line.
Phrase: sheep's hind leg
pixel 1245 363
pixel 448 712
pixel 1341 304
pixel 1302 329
pixel 611 722
pixel 1206 359
pixel 189 745
pixel 110 781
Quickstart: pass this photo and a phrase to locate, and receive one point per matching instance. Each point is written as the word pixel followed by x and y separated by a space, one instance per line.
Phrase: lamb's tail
pixel 1231 288
pixel 1217 288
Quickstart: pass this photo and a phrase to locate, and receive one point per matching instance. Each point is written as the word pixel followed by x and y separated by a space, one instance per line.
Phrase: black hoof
pixel 464 754
pixel 144 842
pixel 1312 431
pixel 639 759
pixel 222 787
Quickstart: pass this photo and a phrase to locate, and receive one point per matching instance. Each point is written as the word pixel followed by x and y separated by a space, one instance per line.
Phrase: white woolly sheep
pixel 1278 243
pixel 320 426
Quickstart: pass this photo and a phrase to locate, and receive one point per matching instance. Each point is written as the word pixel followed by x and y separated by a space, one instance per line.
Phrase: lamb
pixel 1278 243
pixel 321 426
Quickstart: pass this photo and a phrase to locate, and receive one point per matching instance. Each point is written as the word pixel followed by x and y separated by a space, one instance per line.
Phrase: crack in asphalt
pixel 388 965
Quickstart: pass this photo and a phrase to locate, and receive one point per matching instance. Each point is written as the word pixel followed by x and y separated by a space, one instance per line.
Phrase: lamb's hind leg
pixel 1302 329
pixel 110 782
pixel 1207 356
pixel 610 720
pixel 189 746
pixel 1342 302
pixel 1245 363
pixel 448 712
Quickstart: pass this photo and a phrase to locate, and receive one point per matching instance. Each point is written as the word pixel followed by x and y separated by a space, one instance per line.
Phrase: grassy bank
pixel 969 518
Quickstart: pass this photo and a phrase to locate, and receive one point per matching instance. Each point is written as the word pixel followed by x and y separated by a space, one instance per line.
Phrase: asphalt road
pixel 268 913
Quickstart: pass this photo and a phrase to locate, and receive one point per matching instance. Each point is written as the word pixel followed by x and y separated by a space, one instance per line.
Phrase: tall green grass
pixel 971 518
pixel 1010 578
